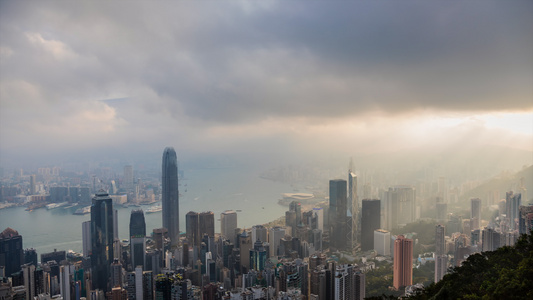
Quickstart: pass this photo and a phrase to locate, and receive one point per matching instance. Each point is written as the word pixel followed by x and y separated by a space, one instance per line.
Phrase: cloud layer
pixel 202 73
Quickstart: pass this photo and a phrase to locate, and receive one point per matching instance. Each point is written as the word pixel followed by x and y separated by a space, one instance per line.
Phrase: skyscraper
pixel 137 239
pixel 11 251
pixel 440 245
pixel 382 242
pixel 525 222
pixel 400 206
pixel 206 224
pixel 337 213
pixel 274 237
pixel 191 228
pixel 86 238
pixel 354 206
pixel 128 177
pixel 513 202
pixel 33 186
pixel 228 224
pixel 101 239
pixel 170 195
pixel 259 232
pixel 475 213
pixel 403 262
pixel 441 265
pixel 370 221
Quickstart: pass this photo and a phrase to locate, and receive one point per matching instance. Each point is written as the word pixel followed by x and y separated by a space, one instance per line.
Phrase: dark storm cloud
pixel 227 62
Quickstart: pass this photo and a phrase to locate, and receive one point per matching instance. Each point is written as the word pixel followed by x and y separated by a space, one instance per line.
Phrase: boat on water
pixel 83 210
pixel 154 209
pixel 71 205
pixel 56 205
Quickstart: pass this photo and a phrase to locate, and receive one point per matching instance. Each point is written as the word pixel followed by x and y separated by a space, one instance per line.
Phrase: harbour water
pixel 207 190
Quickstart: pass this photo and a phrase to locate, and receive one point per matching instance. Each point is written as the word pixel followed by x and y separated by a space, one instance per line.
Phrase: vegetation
pixel 506 273
pixel 379 282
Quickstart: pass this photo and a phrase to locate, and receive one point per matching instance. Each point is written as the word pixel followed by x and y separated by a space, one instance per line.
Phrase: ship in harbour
pixel 56 205
pixel 154 209
pixel 83 210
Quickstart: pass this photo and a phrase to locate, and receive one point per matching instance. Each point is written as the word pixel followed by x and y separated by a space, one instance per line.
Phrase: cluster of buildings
pixel 301 260
pixel 459 238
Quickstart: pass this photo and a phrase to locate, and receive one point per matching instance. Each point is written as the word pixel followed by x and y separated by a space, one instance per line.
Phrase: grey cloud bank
pixel 218 76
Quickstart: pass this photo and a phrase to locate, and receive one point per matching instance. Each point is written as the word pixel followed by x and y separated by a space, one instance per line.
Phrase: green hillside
pixel 506 273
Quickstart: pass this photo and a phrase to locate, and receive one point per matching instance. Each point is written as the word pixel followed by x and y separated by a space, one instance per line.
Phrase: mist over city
pixel 265 150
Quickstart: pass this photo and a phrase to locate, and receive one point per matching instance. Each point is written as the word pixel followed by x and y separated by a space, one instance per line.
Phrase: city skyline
pixel 375 78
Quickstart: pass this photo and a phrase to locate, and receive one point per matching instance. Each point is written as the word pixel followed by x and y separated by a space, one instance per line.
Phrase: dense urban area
pixel 348 238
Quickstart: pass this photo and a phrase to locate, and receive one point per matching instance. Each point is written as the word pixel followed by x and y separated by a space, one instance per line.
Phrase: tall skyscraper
pixel 370 221
pixel 400 206
pixel 441 266
pixel 513 202
pixel 137 239
pixel 33 185
pixel 170 195
pixel 274 237
pixel 403 262
pixel 11 251
pixel 440 244
pixel 354 205
pixel 337 213
pixel 475 213
pixel 191 228
pixel 206 224
pixel 101 239
pixel 86 238
pixel 228 224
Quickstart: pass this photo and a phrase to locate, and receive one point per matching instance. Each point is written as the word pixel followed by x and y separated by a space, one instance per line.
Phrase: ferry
pixel 56 205
pixel 72 205
pixel 154 209
pixel 83 210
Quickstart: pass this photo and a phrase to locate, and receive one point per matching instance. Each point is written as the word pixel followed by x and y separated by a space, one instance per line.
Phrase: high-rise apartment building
pixel 370 221
pixel 400 206
pixel 170 195
pixel 228 224
pixel 403 262
pixel 475 213
pixel 440 243
pixel 525 222
pixel 441 266
pixel 338 213
pixel 101 239
pixel 11 251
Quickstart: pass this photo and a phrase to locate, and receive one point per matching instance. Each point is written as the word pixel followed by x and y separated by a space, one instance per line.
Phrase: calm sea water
pixel 207 190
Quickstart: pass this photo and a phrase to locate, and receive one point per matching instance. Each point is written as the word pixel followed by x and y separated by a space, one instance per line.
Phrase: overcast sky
pixel 264 77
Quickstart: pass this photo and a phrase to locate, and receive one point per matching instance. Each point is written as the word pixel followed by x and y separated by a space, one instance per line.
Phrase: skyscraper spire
pixel 170 195
pixel 351 167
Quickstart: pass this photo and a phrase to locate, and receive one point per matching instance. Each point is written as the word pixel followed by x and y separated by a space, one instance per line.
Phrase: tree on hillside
pixel 506 273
